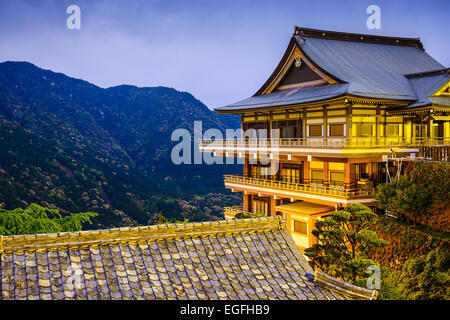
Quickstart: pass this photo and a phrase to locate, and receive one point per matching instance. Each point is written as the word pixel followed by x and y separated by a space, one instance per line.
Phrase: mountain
pixel 68 144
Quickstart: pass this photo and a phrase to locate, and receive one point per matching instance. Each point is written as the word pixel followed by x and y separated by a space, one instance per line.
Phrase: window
pixel 261 171
pixel 288 132
pixel 392 130
pixel 287 129
pixel 337 178
pixel 260 205
pixel 315 131
pixel 300 227
pixel 290 173
pixel 256 129
pixel 361 171
pixel 336 130
pixel 364 130
pixel 420 131
pixel 317 176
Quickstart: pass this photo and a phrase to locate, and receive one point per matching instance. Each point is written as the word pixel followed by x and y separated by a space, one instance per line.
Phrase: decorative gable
pixel 443 91
pixel 296 70
pixel 299 74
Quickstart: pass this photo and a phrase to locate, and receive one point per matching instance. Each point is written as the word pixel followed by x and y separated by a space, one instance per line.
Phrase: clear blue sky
pixel 220 51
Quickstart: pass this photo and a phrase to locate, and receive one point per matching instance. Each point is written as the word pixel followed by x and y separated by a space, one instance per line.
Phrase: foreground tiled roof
pixel 241 259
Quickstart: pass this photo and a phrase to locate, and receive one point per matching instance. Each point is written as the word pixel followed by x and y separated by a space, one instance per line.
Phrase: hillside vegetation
pixel 67 144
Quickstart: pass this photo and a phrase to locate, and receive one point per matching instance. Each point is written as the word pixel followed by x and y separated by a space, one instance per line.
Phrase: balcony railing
pixel 334 191
pixel 435 152
pixel 319 142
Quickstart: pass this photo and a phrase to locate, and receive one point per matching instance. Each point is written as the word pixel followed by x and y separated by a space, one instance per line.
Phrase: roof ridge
pixel 342 287
pixel 136 234
pixel 427 73
pixel 358 37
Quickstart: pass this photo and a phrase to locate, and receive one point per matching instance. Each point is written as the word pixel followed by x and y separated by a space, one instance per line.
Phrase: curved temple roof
pixel 242 259
pixel 363 65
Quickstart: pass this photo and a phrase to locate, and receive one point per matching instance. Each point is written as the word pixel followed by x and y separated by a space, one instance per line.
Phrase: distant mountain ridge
pixel 68 143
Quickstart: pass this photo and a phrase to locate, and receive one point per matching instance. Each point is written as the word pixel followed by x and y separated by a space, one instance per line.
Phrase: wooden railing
pixel 335 191
pixel 319 142
pixel 435 152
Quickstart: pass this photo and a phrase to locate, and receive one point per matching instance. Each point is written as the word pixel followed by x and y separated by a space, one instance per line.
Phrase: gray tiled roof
pixel 290 96
pixel 371 70
pixel 243 259
pixel 427 85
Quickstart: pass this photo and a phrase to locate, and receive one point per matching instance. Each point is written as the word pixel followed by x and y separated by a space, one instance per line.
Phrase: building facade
pixel 338 116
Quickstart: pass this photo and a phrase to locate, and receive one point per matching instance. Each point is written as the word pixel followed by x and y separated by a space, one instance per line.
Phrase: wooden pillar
pixel 306 179
pixel 245 202
pixel 377 122
pixel 304 126
pixel 325 173
pixel 349 174
pixel 245 168
pixel 348 115
pixel 272 203
pixel 274 168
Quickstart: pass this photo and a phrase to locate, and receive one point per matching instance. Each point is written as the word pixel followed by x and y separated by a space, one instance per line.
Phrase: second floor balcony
pixel 383 145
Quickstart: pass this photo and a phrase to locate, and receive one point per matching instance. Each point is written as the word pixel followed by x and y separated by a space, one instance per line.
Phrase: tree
pixel 423 192
pixel 404 197
pixel 37 219
pixel 427 276
pixel 344 239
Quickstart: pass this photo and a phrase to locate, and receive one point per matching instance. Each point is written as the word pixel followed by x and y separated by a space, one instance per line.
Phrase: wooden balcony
pixel 337 193
pixel 319 142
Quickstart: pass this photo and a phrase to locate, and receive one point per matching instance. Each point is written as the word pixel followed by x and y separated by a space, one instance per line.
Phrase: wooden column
pixel 306 172
pixel 325 173
pixel 274 168
pixel 377 121
pixel 349 174
pixel 348 115
pixel 245 202
pixel 272 203
pixel 304 125
pixel 245 168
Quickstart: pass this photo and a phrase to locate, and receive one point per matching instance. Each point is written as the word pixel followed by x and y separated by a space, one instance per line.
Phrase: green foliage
pixel 37 219
pixel 247 215
pixel 415 196
pixel 405 198
pixel 427 276
pixel 389 285
pixel 344 240
pixel 79 147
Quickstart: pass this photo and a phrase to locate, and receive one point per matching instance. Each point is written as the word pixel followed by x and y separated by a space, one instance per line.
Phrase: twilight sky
pixel 220 51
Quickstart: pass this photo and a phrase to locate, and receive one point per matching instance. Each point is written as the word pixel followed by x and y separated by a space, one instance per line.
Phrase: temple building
pixel 229 260
pixel 339 115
